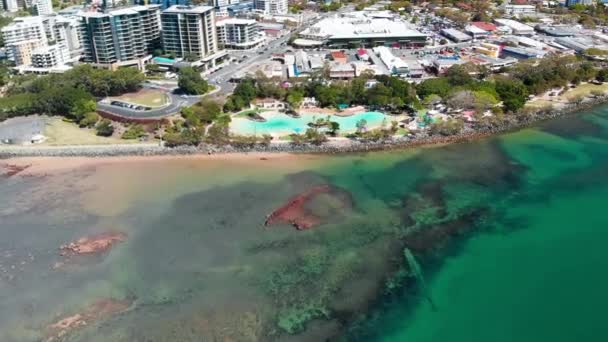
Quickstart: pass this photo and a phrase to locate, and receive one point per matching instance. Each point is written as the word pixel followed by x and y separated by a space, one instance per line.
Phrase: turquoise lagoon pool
pixel 282 124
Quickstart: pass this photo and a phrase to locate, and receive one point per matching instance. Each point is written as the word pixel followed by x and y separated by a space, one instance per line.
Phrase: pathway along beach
pixel 508 231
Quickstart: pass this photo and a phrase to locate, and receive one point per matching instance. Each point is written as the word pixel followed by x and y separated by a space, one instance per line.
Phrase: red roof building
pixel 484 26
pixel 339 56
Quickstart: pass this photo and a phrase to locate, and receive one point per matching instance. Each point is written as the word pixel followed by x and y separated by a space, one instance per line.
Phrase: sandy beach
pixel 37 166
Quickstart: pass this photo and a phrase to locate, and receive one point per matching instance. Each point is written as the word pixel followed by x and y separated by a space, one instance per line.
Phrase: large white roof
pixel 361 26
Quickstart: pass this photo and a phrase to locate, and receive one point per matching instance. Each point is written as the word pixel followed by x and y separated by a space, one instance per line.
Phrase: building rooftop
pixel 515 25
pixel 484 26
pixel 455 34
pixel 361 26
pixel 236 21
pixel 188 9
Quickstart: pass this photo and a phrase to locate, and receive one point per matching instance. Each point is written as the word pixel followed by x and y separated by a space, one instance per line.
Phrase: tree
pixel 89 120
pixel 458 75
pixel 104 128
pixel 134 131
pixel 602 75
pixel 439 86
pixel 191 82
pixel 483 101
pixel 512 92
pixel 334 127
pixel 463 99
pixel 361 125
pixel 295 98
pixel 81 107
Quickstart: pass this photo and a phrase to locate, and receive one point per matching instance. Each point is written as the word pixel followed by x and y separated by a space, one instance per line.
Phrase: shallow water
pixel 509 233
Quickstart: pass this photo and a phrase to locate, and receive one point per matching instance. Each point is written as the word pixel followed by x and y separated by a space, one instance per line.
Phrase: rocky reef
pixel 311 207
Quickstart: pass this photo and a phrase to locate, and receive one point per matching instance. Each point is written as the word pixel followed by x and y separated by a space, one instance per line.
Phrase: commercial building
pixel 455 35
pixel 522 53
pixel 394 64
pixel 476 32
pixel 190 33
pixel 516 27
pixel 555 31
pixel 122 37
pixel 22 29
pixel 271 6
pixel 490 50
pixel 239 34
pixel 520 9
pixel 578 45
pixel 358 29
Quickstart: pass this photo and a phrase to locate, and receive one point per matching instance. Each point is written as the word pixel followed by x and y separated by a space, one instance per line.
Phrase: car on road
pixel 184 96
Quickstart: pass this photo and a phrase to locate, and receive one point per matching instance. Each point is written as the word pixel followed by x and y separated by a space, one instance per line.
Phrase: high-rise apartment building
pixel 120 37
pixel 189 32
pixel 164 4
pixel 42 7
pixel 24 29
pixel 271 6
pixel 10 5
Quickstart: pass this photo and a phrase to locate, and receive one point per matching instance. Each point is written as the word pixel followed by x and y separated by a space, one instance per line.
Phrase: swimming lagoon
pixel 281 124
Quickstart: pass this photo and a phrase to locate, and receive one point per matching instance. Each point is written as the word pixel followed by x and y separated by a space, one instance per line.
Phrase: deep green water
pixel 510 234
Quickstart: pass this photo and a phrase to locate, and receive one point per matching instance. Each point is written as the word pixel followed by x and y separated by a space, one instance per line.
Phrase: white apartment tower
pixel 120 37
pixel 189 32
pixel 10 5
pixel 24 29
pixel 42 7
pixel 271 7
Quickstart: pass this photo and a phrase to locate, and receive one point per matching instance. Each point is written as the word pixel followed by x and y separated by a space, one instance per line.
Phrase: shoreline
pixel 285 148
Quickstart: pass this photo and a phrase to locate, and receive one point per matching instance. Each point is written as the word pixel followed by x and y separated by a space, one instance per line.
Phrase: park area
pixel 59 132
pixel 569 96
pixel 145 97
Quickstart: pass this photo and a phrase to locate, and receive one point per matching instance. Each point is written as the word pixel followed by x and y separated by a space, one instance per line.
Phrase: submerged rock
pixel 312 207
pixel 100 310
pixel 95 244
pixel 10 170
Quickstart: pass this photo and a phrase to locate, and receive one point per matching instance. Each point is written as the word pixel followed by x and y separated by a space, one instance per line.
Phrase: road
pixel 177 102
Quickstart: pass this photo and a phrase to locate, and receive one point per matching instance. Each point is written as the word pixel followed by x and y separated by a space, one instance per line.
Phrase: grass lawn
pixel 539 103
pixel 245 113
pixel 59 132
pixel 584 90
pixel 145 97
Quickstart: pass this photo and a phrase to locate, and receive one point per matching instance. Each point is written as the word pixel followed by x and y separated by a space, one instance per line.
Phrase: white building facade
pixel 271 7
pixel 239 34
pixel 30 29
pixel 189 32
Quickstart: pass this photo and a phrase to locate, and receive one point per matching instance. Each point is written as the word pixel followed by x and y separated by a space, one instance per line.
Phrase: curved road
pixel 177 102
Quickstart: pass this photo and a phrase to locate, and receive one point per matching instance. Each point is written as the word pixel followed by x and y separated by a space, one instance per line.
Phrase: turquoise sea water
pixel 509 233
pixel 283 124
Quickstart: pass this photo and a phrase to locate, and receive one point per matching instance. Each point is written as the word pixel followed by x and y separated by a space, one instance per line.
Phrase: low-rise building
pixel 339 57
pixel 239 34
pixel 520 9
pixel 522 53
pixel 516 27
pixel 455 35
pixel 476 32
pixel 490 50
pixel 394 64
pixel 342 71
